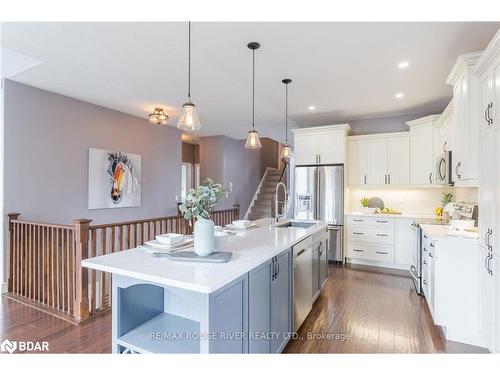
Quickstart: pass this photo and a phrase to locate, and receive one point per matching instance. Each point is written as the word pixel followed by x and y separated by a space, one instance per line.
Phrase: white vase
pixel 204 237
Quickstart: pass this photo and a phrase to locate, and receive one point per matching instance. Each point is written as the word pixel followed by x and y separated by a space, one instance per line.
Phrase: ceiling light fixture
pixel 189 119
pixel 253 141
pixel 286 152
pixel 403 65
pixel 312 107
pixel 158 117
pixel 399 95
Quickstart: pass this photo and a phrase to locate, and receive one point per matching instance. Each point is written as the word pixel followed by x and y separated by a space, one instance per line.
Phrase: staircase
pixel 263 201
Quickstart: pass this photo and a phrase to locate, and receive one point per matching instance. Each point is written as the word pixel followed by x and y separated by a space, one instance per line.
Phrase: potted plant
pixel 364 205
pixel 198 206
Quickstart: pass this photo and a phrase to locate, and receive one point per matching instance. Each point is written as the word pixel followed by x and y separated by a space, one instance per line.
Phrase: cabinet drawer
pixel 371 221
pixel 381 253
pixel 383 235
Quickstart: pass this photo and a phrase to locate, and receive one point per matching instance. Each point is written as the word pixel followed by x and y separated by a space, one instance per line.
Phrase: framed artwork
pixel 114 179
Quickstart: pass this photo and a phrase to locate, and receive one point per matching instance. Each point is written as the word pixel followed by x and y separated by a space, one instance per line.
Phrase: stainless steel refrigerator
pixel 319 195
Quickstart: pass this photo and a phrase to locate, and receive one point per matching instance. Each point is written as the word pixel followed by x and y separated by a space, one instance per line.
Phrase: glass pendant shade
pixel 189 119
pixel 253 141
pixel 286 152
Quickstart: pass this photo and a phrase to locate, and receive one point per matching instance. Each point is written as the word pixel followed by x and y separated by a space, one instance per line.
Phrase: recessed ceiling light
pixel 403 65
pixel 312 107
pixel 399 95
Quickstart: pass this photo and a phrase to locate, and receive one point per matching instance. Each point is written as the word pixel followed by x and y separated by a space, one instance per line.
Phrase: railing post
pixel 81 303
pixel 12 216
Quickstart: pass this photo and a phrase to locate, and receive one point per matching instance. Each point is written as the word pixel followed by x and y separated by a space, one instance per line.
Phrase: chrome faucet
pixel 276 202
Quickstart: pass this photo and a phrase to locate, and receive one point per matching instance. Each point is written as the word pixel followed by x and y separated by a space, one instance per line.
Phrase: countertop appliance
pixel 444 174
pixel 319 195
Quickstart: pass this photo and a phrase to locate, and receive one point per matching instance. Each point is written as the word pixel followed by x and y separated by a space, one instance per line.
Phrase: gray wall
pixel 383 124
pixel 226 160
pixel 47 137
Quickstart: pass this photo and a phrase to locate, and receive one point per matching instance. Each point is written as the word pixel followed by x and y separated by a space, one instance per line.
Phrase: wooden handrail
pixel 45 269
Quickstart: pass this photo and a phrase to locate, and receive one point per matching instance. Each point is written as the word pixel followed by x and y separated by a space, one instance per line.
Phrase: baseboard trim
pixel 378 264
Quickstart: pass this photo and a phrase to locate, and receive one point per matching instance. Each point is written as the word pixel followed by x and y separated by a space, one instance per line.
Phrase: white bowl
pixel 170 238
pixel 242 223
pixel 220 238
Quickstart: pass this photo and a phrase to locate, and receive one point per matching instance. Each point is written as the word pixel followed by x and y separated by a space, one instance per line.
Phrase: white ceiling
pixel 347 70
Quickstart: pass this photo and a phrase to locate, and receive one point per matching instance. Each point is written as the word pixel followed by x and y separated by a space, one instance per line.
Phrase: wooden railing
pixel 44 260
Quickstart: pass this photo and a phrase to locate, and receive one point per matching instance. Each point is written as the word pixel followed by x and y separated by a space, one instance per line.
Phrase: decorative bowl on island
pixel 170 238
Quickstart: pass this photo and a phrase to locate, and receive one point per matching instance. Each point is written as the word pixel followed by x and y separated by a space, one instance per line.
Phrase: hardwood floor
pixel 378 309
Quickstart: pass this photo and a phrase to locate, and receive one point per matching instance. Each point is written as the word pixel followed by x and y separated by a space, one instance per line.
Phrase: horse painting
pixel 121 174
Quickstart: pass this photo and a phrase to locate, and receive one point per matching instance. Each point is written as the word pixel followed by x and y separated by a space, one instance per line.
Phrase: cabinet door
pixel 315 271
pixel 422 154
pixel 378 161
pixel 487 191
pixel 432 281
pixel 405 246
pixel 487 92
pixel 228 317
pixel 398 160
pixel 281 305
pixel 495 108
pixel 358 159
pixel 259 308
pixel 323 262
pixel 495 267
pixel 486 298
pixel 331 147
pixel 460 136
pixel 306 149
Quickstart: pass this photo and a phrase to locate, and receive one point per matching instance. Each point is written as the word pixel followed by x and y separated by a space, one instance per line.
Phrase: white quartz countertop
pixel 445 232
pixel 403 215
pixel 250 249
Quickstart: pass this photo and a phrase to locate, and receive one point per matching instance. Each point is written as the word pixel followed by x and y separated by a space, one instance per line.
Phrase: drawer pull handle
pixel 358 250
pixel 359 233
pixel 431 245
pixel 425 249
pixel 358 220
pixel 382 252
pixel 425 262
pixel 382 221
pixel 425 282
pixel 381 235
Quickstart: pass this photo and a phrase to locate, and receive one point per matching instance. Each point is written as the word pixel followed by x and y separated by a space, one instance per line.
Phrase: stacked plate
pixel 169 242
pixel 241 225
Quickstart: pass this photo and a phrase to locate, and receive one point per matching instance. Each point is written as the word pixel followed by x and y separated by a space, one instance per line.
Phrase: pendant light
pixel 286 152
pixel 253 141
pixel 188 119
pixel 158 117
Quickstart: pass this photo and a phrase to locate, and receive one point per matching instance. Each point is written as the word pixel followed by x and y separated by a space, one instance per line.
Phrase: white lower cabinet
pixel 487 297
pixel 383 240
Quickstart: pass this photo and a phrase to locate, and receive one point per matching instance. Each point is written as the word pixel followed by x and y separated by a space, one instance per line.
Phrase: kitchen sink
pixel 296 224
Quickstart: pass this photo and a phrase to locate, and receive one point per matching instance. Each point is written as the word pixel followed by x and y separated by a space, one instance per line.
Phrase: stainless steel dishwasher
pixel 302 281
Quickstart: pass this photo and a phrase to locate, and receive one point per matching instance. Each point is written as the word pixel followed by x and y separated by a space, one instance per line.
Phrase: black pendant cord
pixel 286 113
pixel 253 89
pixel 189 59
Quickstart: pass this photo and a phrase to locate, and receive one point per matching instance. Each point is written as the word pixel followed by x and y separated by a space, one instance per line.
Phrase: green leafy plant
pixel 200 201
pixel 364 202
pixel 446 198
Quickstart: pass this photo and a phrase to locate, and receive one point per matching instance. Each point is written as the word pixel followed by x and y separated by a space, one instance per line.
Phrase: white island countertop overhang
pixel 250 249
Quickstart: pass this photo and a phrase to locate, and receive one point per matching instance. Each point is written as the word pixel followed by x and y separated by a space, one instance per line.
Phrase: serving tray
pixel 190 256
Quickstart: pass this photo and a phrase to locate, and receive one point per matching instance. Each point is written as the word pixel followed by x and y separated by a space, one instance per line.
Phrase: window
pixel 186 179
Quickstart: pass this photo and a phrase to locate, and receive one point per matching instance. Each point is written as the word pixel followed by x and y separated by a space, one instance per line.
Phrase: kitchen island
pixel 242 306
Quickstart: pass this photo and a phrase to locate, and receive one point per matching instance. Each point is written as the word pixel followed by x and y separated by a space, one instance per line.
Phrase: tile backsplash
pixel 407 201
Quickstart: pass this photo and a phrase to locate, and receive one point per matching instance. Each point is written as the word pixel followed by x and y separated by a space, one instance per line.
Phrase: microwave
pixel 444 172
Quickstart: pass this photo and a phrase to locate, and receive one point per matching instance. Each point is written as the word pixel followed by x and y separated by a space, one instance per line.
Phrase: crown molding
pixel 378 136
pixel 344 127
pixel 423 120
pixel 463 61
pixel 448 111
pixel 490 54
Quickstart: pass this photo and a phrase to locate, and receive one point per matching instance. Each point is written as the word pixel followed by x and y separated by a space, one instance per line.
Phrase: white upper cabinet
pixel 466 105
pixel 320 145
pixel 358 161
pixel 378 162
pixel 306 148
pixel 398 160
pixel 422 150
pixel 381 159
